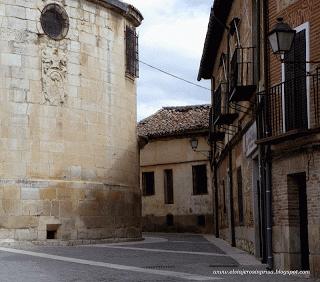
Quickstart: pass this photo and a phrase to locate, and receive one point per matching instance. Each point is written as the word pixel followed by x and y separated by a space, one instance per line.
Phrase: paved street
pixel 160 257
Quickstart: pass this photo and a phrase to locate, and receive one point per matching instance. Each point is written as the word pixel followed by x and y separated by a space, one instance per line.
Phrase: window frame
pixel 145 191
pixel 305 26
pixel 240 196
pixel 196 191
pixel 131 52
pixel 168 200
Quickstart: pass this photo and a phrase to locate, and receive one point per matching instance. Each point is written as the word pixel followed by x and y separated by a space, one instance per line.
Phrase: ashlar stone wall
pixel 69 158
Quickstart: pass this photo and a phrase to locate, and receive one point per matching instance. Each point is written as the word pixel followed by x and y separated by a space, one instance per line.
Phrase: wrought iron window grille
pixel 132 52
pixel 55 21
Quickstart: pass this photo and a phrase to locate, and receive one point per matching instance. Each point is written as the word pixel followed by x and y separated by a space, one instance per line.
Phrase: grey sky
pixel 171 38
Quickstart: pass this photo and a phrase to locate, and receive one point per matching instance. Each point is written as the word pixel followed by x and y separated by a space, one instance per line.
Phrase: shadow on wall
pixel 178 223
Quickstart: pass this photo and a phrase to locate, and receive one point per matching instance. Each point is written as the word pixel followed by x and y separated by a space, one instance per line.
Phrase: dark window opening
pixel 169 220
pixel 224 197
pixel 55 21
pixel 295 92
pixel 132 53
pixel 168 186
pixel 199 175
pixel 51 235
pixel 148 183
pixel 52 231
pixel 201 220
pixel 240 195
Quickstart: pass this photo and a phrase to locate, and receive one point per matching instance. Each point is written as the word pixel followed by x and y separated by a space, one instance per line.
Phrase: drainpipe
pixel 215 173
pixel 268 157
pixel 232 229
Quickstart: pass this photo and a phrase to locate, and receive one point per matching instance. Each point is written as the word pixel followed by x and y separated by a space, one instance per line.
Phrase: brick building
pixel 293 113
pixel 265 130
pixel 175 179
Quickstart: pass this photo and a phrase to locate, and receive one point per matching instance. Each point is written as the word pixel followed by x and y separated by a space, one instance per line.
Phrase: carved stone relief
pixel 54 74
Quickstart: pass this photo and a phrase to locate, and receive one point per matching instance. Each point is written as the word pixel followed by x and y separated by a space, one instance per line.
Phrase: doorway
pixel 298 213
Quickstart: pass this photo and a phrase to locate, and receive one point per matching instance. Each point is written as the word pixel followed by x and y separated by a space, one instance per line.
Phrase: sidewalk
pixel 242 257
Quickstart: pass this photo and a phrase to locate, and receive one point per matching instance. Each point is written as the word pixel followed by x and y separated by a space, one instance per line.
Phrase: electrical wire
pixel 174 76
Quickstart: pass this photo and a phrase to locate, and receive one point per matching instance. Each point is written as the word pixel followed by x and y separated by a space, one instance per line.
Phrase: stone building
pixel 229 60
pixel 265 137
pixel 69 157
pixel 176 179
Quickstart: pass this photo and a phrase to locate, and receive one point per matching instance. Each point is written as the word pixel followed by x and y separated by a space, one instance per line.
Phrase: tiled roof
pixel 173 121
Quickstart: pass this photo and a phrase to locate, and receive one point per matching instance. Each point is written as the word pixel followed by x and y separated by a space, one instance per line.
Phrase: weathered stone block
pixel 11 193
pixel 30 194
pixel 26 234
pixel 48 194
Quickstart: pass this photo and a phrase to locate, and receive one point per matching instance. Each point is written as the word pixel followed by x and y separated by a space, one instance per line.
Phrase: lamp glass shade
pixel 281 38
pixel 194 143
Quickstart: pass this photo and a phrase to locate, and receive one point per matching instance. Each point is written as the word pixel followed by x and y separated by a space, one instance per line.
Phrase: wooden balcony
pixel 242 84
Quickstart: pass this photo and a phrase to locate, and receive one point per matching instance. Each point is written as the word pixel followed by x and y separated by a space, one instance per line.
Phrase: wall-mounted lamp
pixel 194 143
pixel 281 37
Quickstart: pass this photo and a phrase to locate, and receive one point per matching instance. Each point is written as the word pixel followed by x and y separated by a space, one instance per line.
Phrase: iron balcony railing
pixel 291 105
pixel 220 101
pixel 242 73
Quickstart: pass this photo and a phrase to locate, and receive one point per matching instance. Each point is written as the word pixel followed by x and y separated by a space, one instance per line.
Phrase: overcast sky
pixel 171 37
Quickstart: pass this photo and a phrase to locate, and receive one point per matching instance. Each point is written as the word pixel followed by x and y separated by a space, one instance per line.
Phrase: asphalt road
pixel 161 257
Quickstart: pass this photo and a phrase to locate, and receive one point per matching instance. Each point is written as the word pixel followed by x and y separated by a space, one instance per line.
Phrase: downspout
pixel 268 157
pixel 232 231
pixel 260 129
pixel 215 173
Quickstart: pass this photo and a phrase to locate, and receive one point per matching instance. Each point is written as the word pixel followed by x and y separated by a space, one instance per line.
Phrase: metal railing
pixel 291 105
pixel 242 67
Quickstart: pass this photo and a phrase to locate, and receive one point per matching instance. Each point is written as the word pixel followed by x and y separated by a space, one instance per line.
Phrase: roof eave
pixel 220 10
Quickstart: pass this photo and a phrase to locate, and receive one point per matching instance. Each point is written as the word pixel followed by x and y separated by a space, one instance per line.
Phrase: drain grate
pixel 159 267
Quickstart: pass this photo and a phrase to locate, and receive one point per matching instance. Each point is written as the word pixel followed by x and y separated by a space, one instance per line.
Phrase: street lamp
pixel 281 37
pixel 194 143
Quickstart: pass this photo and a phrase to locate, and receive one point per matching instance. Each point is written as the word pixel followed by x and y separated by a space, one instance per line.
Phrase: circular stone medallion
pixel 55 21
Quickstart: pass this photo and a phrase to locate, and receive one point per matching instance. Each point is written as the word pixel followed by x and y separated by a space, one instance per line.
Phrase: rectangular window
pixel 295 89
pixel 199 174
pixel 240 196
pixel 224 197
pixel 148 183
pixel 168 186
pixel 132 52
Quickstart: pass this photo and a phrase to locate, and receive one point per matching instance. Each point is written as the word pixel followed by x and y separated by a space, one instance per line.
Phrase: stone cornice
pixel 127 10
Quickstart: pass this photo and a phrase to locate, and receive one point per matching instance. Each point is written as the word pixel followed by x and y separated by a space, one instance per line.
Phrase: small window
pixel 199 174
pixel 224 197
pixel 201 220
pixel 132 53
pixel 168 186
pixel 148 183
pixel 54 21
pixel 240 196
pixel 169 219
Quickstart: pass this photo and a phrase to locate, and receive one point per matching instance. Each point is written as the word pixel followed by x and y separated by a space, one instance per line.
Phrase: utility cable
pixel 174 76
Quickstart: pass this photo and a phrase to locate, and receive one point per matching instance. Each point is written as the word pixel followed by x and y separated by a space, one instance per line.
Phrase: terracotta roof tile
pixel 172 121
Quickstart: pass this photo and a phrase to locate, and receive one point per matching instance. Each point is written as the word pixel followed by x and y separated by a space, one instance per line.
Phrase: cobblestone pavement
pixel 160 257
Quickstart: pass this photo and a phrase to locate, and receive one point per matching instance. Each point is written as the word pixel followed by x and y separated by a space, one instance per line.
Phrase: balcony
pixel 214 136
pixel 242 84
pixel 293 108
pixel 221 109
